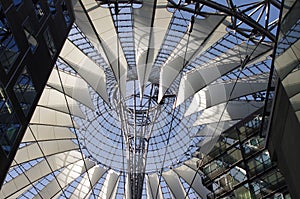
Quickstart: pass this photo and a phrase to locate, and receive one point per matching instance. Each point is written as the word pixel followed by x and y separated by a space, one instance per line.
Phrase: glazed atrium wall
pixel 30 44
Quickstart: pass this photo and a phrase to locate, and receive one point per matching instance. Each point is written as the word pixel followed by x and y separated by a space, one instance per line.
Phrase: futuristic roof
pixel 140 89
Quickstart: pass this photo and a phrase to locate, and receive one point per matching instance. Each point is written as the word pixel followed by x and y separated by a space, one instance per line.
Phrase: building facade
pixel 284 126
pixel 149 99
pixel 30 44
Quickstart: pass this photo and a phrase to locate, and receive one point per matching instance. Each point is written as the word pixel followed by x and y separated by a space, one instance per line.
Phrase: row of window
pixel 9 49
pixel 33 42
pixel 23 88
pixel 39 10
pixel 236 165
pixel 9 123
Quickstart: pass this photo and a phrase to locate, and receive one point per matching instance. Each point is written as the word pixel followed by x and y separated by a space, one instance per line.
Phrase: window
pixel 25 91
pixel 29 35
pixel 39 12
pixel 17 2
pixel 52 7
pixel 8 48
pixel 66 13
pixel 9 125
pixel 49 41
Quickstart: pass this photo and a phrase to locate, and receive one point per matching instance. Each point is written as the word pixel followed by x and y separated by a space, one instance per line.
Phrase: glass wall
pixel 8 47
pixel 17 2
pixel 287 61
pixel 50 43
pixel 52 6
pixel 9 124
pixel 239 166
pixel 66 13
pixel 29 32
pixel 25 91
pixel 38 9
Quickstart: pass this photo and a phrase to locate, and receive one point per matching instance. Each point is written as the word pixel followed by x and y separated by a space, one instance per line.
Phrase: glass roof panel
pixel 134 135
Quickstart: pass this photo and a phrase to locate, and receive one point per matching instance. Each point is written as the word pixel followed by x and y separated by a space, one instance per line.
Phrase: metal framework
pixel 142 98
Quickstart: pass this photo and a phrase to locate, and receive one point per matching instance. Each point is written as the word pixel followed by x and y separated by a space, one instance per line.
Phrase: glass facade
pixel 27 54
pixel 9 124
pixel 283 140
pixel 239 165
pixel 8 48
pixel 66 13
pixel 29 32
pixel 50 43
pixel 52 6
pixel 17 2
pixel 25 91
pixel 39 12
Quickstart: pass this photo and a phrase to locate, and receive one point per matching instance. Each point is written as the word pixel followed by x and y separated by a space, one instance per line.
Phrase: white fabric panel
pixel 148 38
pixel 215 129
pixel 291 7
pixel 234 110
pixel 192 82
pixel 21 183
pixel 110 185
pixel 292 83
pixel 188 175
pixel 198 103
pixel 211 133
pixel 83 188
pixel 295 101
pixel 236 90
pixel 263 57
pixel 41 132
pixel 117 62
pixel 218 93
pixel 65 177
pixel 142 22
pixel 103 23
pixel 127 187
pixel 85 67
pixel 56 100
pixel 216 35
pixel 144 66
pixel 153 187
pixel 287 61
pixel 298 115
pixel 101 19
pixel 201 30
pixel 32 151
pixel 85 26
pixel 16 193
pixel 197 79
pixel 82 20
pixel 47 116
pixel 192 163
pixel 174 184
pixel 208 143
pixel 169 73
pixel 75 87
pixel 186 50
